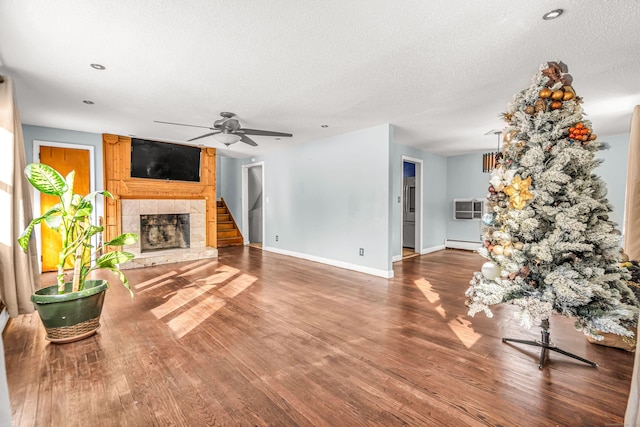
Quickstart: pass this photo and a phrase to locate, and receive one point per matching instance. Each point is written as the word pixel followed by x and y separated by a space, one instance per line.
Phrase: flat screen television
pixel 162 160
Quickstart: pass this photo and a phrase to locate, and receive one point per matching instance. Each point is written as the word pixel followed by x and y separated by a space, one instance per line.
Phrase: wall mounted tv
pixel 162 160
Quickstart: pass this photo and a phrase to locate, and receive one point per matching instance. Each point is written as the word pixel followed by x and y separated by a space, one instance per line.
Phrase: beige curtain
pixel 19 274
pixel 632 248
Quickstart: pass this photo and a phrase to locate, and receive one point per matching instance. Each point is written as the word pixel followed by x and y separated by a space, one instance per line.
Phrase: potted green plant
pixel 71 310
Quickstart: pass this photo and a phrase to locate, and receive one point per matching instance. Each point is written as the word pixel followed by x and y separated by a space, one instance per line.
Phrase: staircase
pixel 228 232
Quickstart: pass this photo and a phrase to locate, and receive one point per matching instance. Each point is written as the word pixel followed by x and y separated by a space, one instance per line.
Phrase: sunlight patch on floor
pixel 237 285
pixel 231 285
pixel 157 285
pixel 193 265
pixel 187 321
pixel 425 287
pixel 460 326
pixel 222 274
pixel 155 280
pixel 463 330
pixel 441 312
pixel 197 269
pixel 179 299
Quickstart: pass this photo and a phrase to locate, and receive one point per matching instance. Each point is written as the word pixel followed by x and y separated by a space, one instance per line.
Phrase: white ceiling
pixel 441 71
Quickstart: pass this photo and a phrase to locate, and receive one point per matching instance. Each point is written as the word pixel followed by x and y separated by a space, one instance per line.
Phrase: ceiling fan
pixel 228 131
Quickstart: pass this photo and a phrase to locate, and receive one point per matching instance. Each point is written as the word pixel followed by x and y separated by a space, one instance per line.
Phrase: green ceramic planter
pixel 71 316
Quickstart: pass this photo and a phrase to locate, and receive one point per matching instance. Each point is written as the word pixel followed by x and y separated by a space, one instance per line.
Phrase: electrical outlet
pixel 361 251
pixel 276 237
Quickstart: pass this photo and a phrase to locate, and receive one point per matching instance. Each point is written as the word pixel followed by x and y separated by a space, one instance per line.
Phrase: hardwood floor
pixel 257 338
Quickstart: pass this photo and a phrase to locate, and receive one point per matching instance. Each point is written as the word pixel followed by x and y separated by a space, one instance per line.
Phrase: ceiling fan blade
pixel 203 136
pixel 247 140
pixel 182 124
pixel 262 132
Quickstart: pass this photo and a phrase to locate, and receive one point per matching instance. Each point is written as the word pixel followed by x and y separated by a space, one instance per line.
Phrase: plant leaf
pixel 83 211
pixel 93 230
pixel 67 196
pixel 49 217
pixel 123 239
pixel 122 277
pixel 110 259
pixel 45 179
pixel 23 240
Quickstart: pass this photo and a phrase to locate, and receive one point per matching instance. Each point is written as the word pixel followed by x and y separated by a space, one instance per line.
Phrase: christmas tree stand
pixel 547 346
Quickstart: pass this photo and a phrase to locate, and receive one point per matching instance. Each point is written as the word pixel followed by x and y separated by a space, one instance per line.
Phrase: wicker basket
pixel 76 332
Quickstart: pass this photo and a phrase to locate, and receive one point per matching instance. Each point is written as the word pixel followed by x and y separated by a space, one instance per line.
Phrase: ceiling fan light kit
pixel 227 138
pixel 227 130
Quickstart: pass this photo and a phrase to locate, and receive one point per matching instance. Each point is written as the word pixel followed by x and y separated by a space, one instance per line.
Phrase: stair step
pixel 222 234
pixel 227 231
pixel 230 241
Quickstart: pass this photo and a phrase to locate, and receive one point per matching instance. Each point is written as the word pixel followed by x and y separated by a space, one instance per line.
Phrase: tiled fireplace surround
pixel 132 209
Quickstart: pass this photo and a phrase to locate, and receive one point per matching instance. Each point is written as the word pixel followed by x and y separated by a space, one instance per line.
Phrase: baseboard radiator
pixel 462 244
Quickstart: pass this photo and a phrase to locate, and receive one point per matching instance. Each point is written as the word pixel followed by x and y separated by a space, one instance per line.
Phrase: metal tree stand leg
pixel 547 345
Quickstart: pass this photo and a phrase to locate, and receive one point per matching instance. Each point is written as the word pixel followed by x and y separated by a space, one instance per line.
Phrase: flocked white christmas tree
pixel 549 239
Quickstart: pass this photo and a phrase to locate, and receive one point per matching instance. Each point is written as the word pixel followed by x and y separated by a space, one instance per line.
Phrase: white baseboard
pixel 425 251
pixel 332 262
pixel 396 258
pixel 462 244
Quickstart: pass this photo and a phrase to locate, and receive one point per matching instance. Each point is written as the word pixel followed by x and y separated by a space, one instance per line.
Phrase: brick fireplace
pixel 185 248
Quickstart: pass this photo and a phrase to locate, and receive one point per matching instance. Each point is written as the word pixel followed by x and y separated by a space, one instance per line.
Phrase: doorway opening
pixel 253 228
pixel 411 202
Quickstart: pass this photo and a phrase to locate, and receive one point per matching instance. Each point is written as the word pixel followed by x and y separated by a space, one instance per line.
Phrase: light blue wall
pixel 465 180
pixel 326 198
pixel 435 202
pixel 229 185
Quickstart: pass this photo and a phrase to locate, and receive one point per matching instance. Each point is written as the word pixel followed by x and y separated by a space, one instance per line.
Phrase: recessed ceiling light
pixel 324 126
pixel 278 139
pixel 552 14
pixel 86 101
pixel 98 66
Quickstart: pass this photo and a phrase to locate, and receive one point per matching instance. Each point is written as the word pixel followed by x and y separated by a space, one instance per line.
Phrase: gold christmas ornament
pixel 556 105
pixel 567 96
pixel 540 105
pixel 530 109
pixel 509 136
pixel 545 93
pixel 507 117
pixel 557 95
pixel 518 192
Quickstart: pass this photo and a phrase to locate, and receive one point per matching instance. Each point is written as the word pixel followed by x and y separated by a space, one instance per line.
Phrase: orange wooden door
pixel 64 160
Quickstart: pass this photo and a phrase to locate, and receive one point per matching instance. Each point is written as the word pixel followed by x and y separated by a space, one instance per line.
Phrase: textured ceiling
pixel 440 71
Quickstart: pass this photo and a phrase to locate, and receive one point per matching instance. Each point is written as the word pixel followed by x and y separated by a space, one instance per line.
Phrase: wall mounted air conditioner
pixel 468 209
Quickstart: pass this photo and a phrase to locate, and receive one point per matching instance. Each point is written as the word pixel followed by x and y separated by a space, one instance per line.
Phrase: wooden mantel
pixel 117 180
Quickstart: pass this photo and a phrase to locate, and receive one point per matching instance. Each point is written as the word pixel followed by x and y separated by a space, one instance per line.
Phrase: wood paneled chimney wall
pixel 117 180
